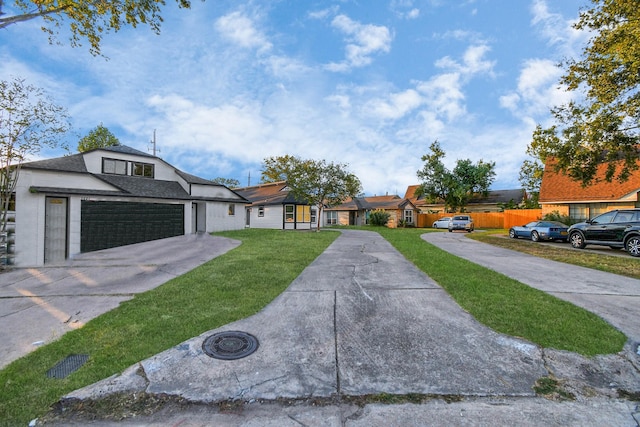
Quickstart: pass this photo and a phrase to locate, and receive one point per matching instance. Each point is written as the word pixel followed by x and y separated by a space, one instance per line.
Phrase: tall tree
pixel 315 182
pixel 29 121
pixel 602 125
pixel 88 20
pixel 456 187
pixel 99 137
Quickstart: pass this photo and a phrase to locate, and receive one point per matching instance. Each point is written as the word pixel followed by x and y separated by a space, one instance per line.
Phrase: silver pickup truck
pixel 461 222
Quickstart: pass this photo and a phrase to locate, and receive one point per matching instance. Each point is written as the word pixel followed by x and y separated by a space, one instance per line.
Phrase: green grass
pixel 241 282
pixel 225 289
pixel 506 305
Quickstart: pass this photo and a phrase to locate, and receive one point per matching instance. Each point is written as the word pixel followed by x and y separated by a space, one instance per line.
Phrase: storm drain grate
pixel 230 345
pixel 70 364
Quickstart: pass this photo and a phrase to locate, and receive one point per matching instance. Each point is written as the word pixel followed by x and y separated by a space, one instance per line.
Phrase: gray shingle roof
pixel 73 163
pixel 124 149
pixel 145 187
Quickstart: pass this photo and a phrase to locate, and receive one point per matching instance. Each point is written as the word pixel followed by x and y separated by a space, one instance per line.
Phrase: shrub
pixel 379 217
pixel 555 216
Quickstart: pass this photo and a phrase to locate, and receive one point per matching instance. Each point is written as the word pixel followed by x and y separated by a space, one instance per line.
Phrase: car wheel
pixel 577 240
pixel 450 231
pixel 633 245
pixel 512 234
pixel 535 236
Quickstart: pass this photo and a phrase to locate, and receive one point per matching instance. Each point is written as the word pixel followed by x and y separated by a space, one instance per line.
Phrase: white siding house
pixel 272 206
pixel 112 197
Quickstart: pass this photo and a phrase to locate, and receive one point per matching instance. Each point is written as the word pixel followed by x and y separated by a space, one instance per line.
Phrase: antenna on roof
pixel 153 144
pixel 249 180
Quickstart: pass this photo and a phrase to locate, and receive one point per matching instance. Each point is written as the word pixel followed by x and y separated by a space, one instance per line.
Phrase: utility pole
pixel 153 144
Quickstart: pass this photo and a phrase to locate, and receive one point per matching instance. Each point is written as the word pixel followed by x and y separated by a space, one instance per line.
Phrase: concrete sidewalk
pixel 360 321
pixel 38 305
pixel 614 298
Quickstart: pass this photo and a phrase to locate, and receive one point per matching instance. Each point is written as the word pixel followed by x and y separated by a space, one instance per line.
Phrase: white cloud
pixel 395 106
pixel 473 62
pixel 556 29
pixel 241 30
pixel 363 41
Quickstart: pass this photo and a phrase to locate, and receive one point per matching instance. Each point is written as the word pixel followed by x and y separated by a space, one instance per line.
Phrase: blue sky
pixel 367 83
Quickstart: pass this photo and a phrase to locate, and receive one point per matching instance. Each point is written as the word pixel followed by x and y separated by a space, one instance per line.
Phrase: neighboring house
pixel 272 206
pixel 492 202
pixel 356 211
pixel 112 197
pixel 558 192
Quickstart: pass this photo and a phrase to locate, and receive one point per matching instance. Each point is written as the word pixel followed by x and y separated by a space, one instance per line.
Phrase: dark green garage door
pixel 110 224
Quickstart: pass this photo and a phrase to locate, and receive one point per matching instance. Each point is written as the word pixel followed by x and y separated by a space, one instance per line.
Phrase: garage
pixel 108 224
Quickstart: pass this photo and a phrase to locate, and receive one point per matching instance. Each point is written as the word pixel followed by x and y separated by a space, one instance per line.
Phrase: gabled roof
pixel 73 163
pixel 123 185
pixel 371 203
pixel 192 179
pixel 559 187
pixel 272 193
pixel 124 149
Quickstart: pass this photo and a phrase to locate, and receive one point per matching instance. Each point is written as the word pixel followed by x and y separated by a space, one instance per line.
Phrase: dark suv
pixel 616 229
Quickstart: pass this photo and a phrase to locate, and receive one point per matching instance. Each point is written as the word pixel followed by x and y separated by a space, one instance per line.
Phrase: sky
pixel 370 84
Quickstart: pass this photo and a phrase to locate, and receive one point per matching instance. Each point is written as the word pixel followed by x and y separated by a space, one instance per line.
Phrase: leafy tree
pixel 315 182
pixel 456 187
pixel 228 182
pixel 602 125
pixel 29 121
pixel 99 137
pixel 530 178
pixel 87 19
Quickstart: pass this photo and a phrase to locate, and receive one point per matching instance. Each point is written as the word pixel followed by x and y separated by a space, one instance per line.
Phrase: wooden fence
pixel 506 219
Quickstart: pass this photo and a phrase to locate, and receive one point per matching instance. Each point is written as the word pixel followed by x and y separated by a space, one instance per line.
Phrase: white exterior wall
pixel 162 170
pixel 218 218
pixel 272 217
pixel 30 207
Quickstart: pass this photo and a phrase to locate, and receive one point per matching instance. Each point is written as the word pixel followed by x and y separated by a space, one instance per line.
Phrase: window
pixel 303 213
pixel 314 216
pixel 579 212
pixel 408 216
pixel 142 169
pixel 260 210
pixel 232 209
pixel 288 213
pixel 332 217
pixel 114 166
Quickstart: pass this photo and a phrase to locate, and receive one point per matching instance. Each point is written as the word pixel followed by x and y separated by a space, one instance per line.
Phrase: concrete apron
pixel 39 305
pixel 359 320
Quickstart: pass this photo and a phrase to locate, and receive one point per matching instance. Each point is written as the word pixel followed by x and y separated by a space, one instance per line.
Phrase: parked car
pixel 442 222
pixel 461 222
pixel 616 229
pixel 541 230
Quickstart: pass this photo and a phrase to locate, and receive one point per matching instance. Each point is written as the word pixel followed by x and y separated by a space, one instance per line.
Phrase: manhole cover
pixel 67 366
pixel 230 345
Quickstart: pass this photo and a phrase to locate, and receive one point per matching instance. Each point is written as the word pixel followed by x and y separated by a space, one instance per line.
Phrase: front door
pixel 55 229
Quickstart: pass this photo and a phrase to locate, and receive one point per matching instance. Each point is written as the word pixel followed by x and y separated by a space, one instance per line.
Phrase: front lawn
pixel 506 305
pixel 225 289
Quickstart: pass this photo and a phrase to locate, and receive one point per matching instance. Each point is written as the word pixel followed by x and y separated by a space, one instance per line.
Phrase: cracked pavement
pixel 362 320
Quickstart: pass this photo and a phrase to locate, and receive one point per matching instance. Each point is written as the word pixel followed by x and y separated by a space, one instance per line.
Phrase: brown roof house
pixel 492 202
pixel 272 206
pixel 558 192
pixel 356 211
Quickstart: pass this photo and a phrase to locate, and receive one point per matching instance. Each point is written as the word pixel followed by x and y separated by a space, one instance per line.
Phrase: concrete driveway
pixel 614 298
pixel 38 305
pixel 361 320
